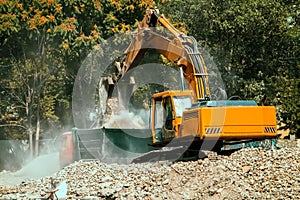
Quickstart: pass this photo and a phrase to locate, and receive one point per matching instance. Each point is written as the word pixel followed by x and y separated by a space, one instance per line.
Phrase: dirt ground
pixel 250 173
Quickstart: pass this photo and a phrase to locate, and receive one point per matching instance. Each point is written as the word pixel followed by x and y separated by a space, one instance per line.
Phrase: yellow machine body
pixel 229 122
pixel 218 120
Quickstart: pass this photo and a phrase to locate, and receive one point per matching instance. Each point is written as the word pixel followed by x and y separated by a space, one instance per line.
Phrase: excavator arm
pixel 180 49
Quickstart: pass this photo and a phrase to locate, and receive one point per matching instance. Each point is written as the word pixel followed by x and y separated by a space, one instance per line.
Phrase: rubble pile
pixel 250 173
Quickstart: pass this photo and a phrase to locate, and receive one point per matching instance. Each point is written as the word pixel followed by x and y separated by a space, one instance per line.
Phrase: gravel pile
pixel 251 173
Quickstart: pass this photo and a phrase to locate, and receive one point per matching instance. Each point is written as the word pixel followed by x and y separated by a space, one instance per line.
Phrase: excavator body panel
pixel 233 122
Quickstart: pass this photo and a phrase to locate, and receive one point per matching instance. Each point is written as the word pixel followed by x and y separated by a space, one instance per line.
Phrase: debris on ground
pixel 250 173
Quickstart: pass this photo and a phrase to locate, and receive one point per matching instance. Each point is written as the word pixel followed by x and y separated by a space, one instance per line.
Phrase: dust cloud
pixel 137 119
pixel 44 165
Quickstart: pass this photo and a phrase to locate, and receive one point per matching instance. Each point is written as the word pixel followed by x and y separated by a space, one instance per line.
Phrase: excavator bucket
pixel 112 145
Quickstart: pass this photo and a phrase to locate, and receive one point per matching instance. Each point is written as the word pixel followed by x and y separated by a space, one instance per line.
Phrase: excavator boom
pixel 180 49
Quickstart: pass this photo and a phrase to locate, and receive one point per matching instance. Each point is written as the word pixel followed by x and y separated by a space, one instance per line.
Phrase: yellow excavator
pixel 189 119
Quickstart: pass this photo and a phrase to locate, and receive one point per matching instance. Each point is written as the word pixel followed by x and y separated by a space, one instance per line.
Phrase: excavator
pixel 182 121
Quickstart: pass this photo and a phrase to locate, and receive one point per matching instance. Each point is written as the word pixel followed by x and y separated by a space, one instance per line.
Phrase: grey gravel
pixel 250 173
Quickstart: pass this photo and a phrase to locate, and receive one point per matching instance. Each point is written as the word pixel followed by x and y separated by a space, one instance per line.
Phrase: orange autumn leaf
pixel 51 17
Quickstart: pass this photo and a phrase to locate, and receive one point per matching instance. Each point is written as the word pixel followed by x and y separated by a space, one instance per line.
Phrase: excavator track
pixel 165 154
pixel 175 154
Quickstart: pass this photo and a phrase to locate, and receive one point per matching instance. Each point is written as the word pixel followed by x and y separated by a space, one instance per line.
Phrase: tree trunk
pixel 37 137
pixel 31 142
pixel 39 85
pixel 29 117
pixel 37 134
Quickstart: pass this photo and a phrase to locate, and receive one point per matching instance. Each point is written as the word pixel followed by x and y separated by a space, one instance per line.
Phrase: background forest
pixel 254 43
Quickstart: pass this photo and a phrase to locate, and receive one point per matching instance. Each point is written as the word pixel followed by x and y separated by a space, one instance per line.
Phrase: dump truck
pixel 182 121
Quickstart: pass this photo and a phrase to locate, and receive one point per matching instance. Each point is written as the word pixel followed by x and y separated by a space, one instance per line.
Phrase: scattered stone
pixel 252 173
pixel 246 169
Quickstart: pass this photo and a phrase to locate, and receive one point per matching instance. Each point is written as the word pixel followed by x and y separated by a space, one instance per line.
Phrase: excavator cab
pixel 166 114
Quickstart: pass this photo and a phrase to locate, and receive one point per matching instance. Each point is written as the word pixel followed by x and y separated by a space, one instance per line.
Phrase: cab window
pixel 169 114
pixel 181 103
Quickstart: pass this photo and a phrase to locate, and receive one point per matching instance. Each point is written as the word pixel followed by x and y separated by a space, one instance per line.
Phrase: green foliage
pixel 42 45
pixel 30 92
pixel 141 98
pixel 255 45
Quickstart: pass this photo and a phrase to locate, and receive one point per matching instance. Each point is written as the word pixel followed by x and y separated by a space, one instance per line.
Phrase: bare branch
pixel 13 125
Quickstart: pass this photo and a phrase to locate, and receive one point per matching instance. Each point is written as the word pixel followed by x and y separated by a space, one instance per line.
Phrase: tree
pixel 42 45
pixel 255 45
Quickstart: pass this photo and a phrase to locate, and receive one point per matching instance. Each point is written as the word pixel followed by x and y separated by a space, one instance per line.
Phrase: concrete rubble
pixel 250 173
